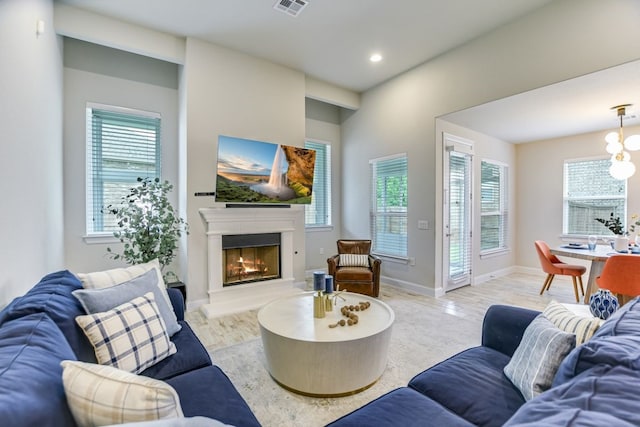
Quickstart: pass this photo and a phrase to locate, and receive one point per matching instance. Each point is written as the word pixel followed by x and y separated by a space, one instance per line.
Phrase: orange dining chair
pixel 553 266
pixel 621 276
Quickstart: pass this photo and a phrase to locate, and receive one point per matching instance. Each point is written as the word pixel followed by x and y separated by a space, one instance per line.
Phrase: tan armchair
pixel 363 278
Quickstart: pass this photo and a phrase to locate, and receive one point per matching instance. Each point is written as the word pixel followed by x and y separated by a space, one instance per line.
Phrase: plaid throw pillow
pixel 354 260
pixel 102 395
pixel 131 336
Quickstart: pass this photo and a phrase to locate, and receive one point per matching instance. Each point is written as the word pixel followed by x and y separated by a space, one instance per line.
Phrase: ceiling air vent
pixel 291 7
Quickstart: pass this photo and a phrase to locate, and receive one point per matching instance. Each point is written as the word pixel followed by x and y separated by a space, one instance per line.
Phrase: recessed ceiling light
pixel 376 57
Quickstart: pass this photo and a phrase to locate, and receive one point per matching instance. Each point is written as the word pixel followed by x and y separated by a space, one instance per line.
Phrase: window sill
pixel 318 228
pixel 100 239
pixel 391 258
pixel 494 253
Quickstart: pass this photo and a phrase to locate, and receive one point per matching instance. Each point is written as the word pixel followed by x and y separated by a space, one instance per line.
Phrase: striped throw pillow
pixel 537 358
pixel 131 336
pixel 103 395
pixel 353 260
pixel 583 327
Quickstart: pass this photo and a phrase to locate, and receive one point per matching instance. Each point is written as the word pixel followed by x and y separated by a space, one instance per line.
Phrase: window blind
pixel 122 145
pixel 318 213
pixel 459 216
pixel 591 192
pixel 389 205
pixel 494 207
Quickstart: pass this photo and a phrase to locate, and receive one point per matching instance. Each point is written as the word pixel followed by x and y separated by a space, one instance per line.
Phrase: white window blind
pixel 389 205
pixel 318 213
pixel 591 192
pixel 494 213
pixel 122 145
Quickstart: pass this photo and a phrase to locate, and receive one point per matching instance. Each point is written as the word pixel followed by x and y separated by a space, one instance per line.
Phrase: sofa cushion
pixel 131 336
pixel 209 392
pixel 103 299
pixel 401 407
pixel 603 395
pixel 190 355
pixel 536 360
pixel 472 385
pixel 582 327
pixel 52 295
pixel 31 391
pixel 103 395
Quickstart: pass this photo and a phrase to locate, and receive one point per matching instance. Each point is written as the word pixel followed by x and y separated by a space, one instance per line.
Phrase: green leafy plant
pixel 614 224
pixel 149 225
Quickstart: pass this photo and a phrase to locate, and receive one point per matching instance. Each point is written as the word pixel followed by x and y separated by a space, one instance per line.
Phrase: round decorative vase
pixel 603 304
pixel 621 244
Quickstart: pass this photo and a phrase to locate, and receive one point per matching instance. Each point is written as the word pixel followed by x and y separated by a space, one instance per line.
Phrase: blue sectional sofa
pixel 596 384
pixel 38 331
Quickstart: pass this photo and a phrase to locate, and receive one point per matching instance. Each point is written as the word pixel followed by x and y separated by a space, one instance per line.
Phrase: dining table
pixel 598 258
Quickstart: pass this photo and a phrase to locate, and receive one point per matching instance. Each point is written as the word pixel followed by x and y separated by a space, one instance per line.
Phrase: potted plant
pixel 614 224
pixel 150 227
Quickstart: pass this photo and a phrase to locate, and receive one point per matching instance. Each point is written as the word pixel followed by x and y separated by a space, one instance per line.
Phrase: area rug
pixel 417 342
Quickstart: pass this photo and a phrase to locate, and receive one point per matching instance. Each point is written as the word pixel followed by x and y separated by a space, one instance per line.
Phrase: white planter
pixel 621 243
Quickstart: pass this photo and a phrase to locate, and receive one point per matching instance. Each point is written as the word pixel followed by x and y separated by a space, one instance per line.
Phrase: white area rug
pixel 417 342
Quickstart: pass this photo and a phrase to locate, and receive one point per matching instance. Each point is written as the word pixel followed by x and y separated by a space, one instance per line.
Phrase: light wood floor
pixel 471 302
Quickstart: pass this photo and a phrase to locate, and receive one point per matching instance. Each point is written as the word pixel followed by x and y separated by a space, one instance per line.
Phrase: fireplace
pixel 250 258
pixel 242 224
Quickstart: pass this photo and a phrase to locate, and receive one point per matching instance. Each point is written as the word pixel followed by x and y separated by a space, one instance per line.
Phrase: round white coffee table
pixel 304 355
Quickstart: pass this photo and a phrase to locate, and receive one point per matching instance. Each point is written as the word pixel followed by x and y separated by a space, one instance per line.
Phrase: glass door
pixel 458 206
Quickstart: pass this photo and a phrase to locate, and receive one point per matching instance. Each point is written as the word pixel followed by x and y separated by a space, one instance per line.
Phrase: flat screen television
pixel 262 172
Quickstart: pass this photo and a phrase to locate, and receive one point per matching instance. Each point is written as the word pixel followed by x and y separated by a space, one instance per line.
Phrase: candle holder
pixel 328 304
pixel 318 305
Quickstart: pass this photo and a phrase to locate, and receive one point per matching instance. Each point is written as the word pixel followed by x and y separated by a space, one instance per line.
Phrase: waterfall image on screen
pixel 251 171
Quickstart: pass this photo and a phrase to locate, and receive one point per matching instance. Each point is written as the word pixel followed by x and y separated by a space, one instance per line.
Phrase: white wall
pixel 102 75
pixel 230 93
pixel 540 181
pixel 31 147
pixel 565 39
pixel 323 124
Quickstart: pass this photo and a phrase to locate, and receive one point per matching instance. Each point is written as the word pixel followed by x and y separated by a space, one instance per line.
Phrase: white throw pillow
pixel 582 327
pixel 102 395
pixel 353 260
pixel 131 336
pixel 537 358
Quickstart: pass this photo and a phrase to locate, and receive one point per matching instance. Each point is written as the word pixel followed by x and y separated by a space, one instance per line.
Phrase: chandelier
pixel 621 166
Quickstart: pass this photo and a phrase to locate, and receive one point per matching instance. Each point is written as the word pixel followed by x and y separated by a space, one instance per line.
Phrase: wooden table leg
pixel 594 271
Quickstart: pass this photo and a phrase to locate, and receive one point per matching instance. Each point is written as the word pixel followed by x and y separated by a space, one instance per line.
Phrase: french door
pixel 458 211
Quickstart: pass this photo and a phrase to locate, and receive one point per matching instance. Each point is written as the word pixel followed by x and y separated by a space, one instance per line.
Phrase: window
pixel 122 145
pixel 389 205
pixel 318 213
pixel 591 192
pixel 494 206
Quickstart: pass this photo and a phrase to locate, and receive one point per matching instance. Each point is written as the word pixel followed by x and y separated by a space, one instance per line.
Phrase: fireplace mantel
pixel 222 221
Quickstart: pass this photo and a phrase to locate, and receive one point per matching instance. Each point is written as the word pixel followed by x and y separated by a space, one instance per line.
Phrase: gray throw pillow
pixel 537 358
pixel 104 299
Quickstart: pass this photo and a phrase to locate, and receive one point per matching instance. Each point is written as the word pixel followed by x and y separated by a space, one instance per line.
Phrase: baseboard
pixel 478 280
pixel 410 287
pixel 194 305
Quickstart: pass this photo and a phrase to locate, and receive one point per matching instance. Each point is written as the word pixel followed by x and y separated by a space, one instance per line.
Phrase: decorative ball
pixel 603 304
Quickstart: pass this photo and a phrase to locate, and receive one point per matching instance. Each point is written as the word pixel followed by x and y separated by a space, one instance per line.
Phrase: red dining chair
pixel 553 266
pixel 621 276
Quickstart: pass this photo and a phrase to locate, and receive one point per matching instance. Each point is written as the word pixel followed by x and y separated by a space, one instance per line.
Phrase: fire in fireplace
pixel 250 258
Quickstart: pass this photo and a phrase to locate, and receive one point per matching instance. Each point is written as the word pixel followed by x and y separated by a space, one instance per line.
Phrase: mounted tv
pixel 262 172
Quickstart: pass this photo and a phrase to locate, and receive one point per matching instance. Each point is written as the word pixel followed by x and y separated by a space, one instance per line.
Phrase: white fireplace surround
pixel 247 220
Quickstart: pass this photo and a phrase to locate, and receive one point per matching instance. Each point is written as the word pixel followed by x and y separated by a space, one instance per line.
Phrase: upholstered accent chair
pixel 621 276
pixel 553 266
pixel 354 269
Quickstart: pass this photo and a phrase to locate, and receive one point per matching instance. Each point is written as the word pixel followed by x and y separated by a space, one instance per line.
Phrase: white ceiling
pixel 333 39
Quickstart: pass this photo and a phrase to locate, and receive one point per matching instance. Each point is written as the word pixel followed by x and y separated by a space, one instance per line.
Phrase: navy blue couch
pixel 38 331
pixel 596 384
